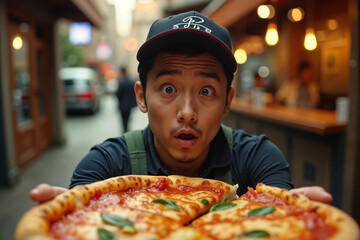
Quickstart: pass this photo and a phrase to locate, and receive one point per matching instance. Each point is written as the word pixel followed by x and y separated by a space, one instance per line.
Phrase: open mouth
pixel 185 136
pixel 186 139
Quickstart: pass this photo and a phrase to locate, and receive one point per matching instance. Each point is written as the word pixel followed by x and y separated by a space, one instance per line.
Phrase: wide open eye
pixel 206 91
pixel 168 89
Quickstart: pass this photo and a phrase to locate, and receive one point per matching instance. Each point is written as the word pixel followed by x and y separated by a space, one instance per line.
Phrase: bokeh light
pixel 240 56
pixel 296 14
pixel 310 42
pixel 272 36
pixel 17 43
pixel 131 44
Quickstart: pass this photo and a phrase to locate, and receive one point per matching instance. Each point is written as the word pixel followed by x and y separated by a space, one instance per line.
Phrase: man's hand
pixel 315 193
pixel 45 192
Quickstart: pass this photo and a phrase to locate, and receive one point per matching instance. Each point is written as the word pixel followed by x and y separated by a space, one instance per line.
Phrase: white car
pixel 81 89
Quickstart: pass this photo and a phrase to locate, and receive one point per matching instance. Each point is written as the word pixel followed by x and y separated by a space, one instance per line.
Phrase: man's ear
pixel 228 102
pixel 140 97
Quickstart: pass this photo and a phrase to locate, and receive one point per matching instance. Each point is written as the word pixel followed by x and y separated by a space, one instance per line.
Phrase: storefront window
pixel 22 103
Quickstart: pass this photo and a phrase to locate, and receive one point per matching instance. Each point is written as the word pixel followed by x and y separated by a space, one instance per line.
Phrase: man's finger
pixel 315 193
pixel 45 192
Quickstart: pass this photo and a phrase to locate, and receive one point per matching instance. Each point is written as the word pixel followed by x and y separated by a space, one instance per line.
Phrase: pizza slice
pixel 178 198
pixel 127 207
pixel 274 213
pixel 115 222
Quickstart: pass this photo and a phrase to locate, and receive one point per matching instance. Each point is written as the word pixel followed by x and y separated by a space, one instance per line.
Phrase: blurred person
pixel 186 68
pixel 302 92
pixel 126 97
pixel 261 93
pixel 259 82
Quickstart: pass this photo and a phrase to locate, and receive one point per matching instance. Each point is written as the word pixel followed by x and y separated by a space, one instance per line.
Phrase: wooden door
pixel 29 85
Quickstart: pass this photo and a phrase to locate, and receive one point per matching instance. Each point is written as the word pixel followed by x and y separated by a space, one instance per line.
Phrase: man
pixel 302 92
pixel 126 97
pixel 186 68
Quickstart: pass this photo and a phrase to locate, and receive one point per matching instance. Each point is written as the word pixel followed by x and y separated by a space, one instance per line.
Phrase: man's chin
pixel 187 160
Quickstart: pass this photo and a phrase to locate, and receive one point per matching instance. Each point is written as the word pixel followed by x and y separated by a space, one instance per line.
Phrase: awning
pixel 76 10
pixel 184 6
pixel 229 12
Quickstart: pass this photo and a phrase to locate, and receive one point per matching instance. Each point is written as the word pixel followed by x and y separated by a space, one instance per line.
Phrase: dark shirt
pixel 126 94
pixel 254 159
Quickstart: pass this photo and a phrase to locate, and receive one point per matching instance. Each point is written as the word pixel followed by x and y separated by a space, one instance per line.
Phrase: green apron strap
pixel 228 134
pixel 224 174
pixel 135 144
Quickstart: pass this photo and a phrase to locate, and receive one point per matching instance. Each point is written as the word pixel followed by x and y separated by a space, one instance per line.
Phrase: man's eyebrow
pixel 209 75
pixel 167 72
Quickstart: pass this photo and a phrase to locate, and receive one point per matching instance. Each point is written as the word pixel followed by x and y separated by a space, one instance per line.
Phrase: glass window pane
pixel 22 82
pixel 41 87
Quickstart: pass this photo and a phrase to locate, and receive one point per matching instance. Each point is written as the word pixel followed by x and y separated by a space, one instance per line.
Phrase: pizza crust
pixel 34 225
pixel 348 228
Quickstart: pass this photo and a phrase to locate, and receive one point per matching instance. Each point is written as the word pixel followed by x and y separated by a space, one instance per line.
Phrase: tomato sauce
pixel 160 184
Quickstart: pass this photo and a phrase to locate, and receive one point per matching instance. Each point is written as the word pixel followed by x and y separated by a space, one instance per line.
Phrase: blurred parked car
pixel 82 89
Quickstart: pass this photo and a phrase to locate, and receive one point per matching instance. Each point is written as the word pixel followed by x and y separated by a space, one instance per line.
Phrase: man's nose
pixel 187 109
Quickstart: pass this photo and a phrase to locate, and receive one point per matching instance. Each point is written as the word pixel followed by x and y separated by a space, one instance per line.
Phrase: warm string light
pixel 294 15
pixel 310 42
pixel 268 12
pixel 272 36
pixel 17 43
pixel 240 56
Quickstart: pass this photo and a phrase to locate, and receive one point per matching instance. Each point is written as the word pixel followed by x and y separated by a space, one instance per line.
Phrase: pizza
pixel 126 207
pixel 178 207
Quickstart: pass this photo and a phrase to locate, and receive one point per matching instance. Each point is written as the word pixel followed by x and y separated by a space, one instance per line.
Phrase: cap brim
pixel 188 37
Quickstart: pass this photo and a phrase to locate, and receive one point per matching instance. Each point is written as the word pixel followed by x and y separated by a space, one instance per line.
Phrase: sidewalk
pixel 55 165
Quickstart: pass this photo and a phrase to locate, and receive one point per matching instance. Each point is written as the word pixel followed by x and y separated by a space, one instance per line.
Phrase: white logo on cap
pixel 192 22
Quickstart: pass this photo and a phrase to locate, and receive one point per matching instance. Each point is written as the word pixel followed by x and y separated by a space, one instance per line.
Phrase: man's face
pixel 307 75
pixel 185 100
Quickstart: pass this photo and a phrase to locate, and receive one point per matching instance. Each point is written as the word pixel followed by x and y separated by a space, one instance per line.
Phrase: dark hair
pixel 123 69
pixel 304 64
pixel 145 66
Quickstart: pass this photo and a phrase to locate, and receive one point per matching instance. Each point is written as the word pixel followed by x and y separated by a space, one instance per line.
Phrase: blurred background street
pixel 55 165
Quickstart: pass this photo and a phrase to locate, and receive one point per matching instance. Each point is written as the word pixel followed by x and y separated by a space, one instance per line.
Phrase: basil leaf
pixel 261 211
pixel 106 235
pixel 222 206
pixel 116 220
pixel 205 202
pixel 254 234
pixel 167 202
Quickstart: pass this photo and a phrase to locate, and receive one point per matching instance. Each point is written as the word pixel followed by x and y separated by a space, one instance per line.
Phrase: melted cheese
pixel 84 224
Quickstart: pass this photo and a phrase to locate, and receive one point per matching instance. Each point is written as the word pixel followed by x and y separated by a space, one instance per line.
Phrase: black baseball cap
pixel 189 28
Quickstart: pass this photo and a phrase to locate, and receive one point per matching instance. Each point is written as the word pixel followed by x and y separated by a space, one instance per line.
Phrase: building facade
pixel 31 111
